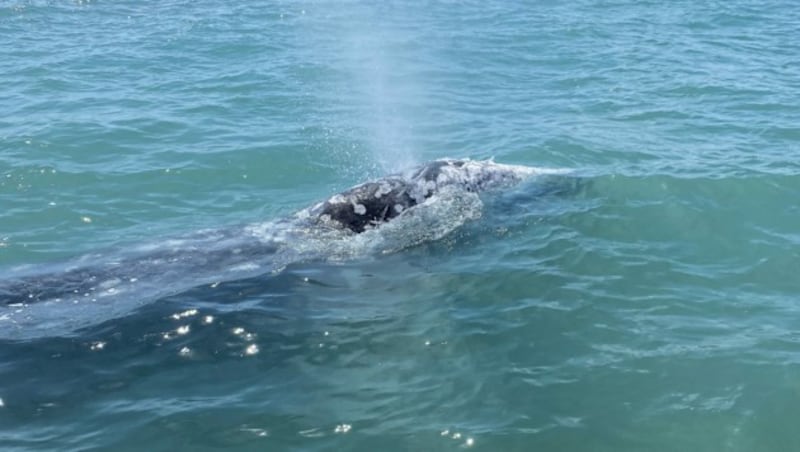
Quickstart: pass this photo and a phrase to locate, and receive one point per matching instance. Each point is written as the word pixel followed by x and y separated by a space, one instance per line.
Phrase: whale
pixel 374 203
pixel 385 214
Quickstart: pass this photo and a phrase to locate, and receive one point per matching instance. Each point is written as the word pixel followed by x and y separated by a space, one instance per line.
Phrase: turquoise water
pixel 652 307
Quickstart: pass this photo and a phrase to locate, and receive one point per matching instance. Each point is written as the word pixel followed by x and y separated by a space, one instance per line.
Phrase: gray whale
pixel 373 203
pixel 394 212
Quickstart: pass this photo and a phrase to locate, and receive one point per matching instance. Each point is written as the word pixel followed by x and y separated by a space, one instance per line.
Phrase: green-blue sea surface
pixel 652 306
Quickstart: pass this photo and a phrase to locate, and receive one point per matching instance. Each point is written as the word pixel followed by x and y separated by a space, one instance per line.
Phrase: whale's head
pixel 372 203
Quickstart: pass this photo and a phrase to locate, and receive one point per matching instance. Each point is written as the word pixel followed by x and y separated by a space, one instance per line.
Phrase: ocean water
pixel 652 306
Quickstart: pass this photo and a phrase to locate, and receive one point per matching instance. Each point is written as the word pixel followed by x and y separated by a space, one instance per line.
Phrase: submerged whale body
pixel 401 210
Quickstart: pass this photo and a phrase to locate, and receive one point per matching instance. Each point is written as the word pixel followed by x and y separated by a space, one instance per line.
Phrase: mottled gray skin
pixel 368 204
pixel 373 203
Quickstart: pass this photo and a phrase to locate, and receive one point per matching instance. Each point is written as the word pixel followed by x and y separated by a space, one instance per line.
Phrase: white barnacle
pixel 399 208
pixel 383 189
pixel 359 209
